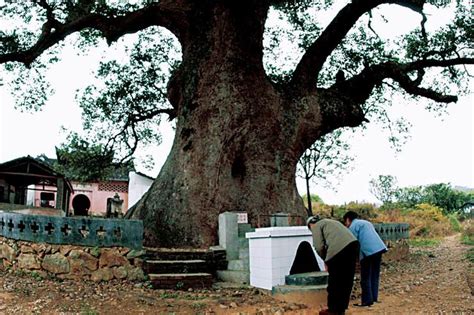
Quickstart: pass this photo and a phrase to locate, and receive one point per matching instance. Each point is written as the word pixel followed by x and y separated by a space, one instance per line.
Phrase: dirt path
pixel 431 280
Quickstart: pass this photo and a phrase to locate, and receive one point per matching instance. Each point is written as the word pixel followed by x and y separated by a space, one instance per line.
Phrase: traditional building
pixel 34 184
pixel 24 177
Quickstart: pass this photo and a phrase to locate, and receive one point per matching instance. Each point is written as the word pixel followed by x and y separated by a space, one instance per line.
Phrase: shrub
pixel 455 225
pixel 427 211
pixel 425 220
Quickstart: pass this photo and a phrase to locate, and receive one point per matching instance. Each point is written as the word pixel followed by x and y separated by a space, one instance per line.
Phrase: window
pixel 47 199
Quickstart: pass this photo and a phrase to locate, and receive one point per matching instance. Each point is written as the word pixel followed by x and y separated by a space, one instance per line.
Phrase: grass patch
pixel 169 295
pixel 455 225
pixel 198 305
pixel 467 240
pixel 470 255
pixel 194 297
pixel 87 310
pixel 423 242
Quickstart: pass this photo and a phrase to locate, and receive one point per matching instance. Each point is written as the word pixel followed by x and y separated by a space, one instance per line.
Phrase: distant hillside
pixel 464 189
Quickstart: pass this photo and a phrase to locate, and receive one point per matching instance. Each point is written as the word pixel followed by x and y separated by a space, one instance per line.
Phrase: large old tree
pixel 243 117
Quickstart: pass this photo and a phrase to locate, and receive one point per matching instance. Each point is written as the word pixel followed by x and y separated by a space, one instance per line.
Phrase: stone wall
pixel 83 231
pixel 72 262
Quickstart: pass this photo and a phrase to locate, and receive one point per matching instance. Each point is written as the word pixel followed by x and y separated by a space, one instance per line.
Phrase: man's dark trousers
pixel 341 269
pixel 369 278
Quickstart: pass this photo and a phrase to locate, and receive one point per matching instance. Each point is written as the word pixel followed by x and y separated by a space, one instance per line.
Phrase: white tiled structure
pixel 272 252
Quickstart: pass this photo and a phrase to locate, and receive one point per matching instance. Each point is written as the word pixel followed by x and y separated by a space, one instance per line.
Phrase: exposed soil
pixel 432 280
pixel 436 279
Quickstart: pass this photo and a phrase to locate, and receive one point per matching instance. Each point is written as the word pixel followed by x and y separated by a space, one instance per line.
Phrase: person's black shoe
pixel 361 305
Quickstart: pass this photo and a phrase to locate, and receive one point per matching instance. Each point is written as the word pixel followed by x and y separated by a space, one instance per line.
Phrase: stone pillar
pixel 229 234
pixel 60 194
pixel 279 219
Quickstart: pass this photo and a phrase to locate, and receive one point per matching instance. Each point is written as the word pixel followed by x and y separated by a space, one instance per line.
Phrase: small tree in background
pixel 409 197
pixel 384 188
pixel 325 161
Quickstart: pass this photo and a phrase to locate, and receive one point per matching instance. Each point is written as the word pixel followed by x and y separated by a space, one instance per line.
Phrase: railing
pixel 392 231
pixel 86 231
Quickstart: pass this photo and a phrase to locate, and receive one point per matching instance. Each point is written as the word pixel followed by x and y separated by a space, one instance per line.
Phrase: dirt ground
pixel 432 280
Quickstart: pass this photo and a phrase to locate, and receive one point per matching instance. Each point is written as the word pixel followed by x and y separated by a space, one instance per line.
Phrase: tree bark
pixel 234 149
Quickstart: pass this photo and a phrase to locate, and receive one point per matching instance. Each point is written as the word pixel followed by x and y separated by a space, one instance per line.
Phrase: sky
pixel 441 149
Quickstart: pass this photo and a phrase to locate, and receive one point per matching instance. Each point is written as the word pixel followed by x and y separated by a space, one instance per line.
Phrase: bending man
pixel 371 249
pixel 339 249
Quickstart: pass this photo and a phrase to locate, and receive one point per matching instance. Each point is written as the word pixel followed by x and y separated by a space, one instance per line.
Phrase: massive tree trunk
pixel 238 138
pixel 235 146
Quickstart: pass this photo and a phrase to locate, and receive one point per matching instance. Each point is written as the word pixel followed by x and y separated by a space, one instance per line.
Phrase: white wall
pixel 138 185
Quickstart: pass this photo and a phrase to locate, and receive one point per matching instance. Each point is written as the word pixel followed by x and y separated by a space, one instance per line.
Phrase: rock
pixel 138 262
pixel 102 274
pixel 112 258
pixel 120 272
pixel 56 263
pixel 65 249
pixel 233 304
pixel 123 251
pixel 26 249
pixel 41 248
pixel 7 252
pixel 80 260
pixel 28 261
pixel 136 274
pixel 55 249
pixel 223 306
pixel 135 253
pixel 95 251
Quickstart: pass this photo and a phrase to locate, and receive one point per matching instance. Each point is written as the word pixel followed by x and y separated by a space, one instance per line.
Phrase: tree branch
pixel 359 87
pixel 306 72
pixel 169 14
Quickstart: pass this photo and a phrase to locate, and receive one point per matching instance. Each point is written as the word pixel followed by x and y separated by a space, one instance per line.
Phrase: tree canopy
pixel 345 55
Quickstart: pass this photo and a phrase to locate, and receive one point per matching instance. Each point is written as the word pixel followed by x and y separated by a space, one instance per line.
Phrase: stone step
pixel 244 253
pixel 242 277
pixel 238 265
pixel 307 279
pixel 176 254
pixel 285 289
pixel 181 281
pixel 175 266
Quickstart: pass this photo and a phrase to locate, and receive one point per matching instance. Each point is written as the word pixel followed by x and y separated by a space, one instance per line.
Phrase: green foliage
pixel 440 195
pixel 467 238
pixel 384 188
pixel 428 211
pixel 314 198
pixel 423 242
pixel 453 220
pixel 84 161
pixel 365 210
pixel 125 110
